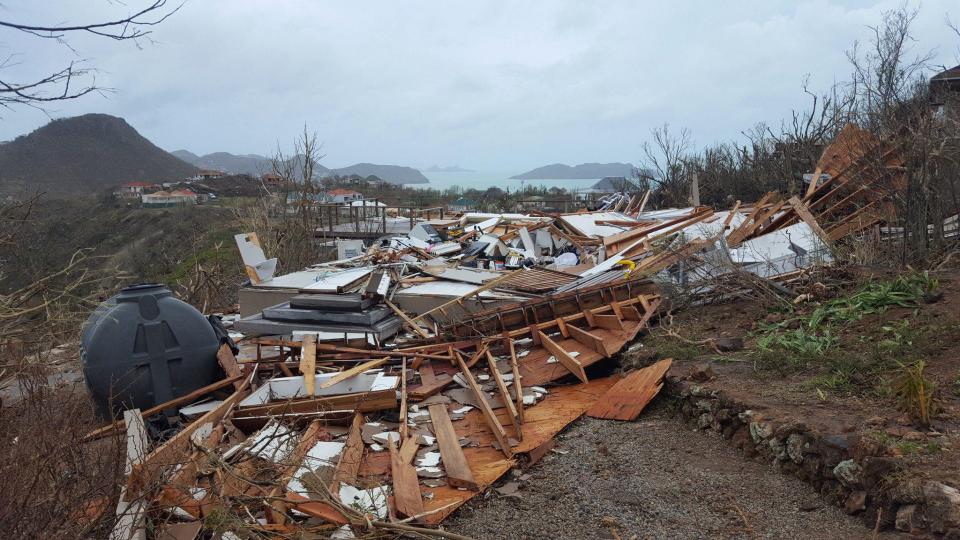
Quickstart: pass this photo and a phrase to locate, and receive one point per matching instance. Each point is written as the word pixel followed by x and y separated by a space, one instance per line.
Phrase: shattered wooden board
pixel 535 370
pixel 542 422
pixel 627 399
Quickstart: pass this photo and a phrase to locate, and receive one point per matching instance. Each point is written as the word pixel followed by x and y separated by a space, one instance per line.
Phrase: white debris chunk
pixel 373 500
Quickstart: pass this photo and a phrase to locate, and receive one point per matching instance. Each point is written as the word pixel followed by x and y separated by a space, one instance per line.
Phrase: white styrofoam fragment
pixel 322 454
pixel 462 410
pixel 458 378
pixel 386 436
pixel 552 359
pixel 430 459
pixel 273 443
pixel 372 500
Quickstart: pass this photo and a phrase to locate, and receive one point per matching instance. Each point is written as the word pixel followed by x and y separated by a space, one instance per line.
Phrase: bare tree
pixel 666 158
pixel 75 78
pixel 886 75
pixel 286 221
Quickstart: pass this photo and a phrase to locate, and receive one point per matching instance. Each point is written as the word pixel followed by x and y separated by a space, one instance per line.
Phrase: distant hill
pixel 256 165
pixel 85 154
pixel 395 174
pixel 559 171
pixel 450 168
pixel 252 164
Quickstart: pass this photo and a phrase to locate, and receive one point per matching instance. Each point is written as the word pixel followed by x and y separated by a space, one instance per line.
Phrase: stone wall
pixel 848 469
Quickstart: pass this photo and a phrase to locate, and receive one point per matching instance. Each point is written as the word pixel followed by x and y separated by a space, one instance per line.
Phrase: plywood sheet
pixel 627 399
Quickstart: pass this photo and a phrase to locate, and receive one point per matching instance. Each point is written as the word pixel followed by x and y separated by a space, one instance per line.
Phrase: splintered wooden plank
pixel 627 399
pixel 589 316
pixel 569 362
pixel 610 322
pixel 430 384
pixel 476 358
pixel 407 320
pixel 589 339
pixel 130 507
pixel 308 363
pixel 804 213
pixel 485 409
pixel 408 449
pixel 352 372
pixel 454 462
pixel 403 401
pixel 406 485
pixel 352 454
pixel 229 364
pixel 517 386
pixel 512 414
pixel 616 309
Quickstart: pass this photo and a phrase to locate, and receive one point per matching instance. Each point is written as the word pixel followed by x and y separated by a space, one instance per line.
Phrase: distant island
pixel 395 174
pixel 451 168
pixel 559 171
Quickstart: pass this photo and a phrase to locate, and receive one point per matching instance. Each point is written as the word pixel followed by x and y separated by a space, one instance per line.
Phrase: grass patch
pixel 670 347
pixel 812 341
pixel 905 447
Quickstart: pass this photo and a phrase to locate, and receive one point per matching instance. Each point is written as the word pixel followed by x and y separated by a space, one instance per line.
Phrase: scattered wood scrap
pixel 627 399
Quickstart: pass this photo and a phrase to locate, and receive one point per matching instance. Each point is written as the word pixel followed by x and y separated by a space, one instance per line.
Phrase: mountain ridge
pixel 83 154
pixel 256 165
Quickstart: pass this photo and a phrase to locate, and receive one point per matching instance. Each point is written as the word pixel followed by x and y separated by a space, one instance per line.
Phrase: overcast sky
pixel 494 86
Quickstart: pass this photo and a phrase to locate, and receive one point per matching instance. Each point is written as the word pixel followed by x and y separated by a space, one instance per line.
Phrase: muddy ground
pixel 653 478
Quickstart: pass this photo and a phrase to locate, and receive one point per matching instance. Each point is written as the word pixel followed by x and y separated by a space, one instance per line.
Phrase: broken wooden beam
pixel 562 356
pixel 512 413
pixel 485 409
pixel 308 363
pixel 352 372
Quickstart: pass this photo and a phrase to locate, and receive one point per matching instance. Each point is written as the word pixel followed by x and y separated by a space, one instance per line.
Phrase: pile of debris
pixel 387 388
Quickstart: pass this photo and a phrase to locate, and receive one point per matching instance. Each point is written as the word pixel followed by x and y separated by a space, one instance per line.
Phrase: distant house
pixel 208 174
pixel 462 204
pixel 133 190
pixel 341 195
pixel 272 179
pixel 166 199
pixel 945 88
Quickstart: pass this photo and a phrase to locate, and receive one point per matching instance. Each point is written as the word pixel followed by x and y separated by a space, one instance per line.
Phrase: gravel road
pixel 653 478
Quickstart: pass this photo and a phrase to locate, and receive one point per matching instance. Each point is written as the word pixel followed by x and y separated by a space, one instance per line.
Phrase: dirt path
pixel 655 478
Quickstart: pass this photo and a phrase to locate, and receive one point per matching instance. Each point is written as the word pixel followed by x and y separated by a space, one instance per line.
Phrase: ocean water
pixel 484 180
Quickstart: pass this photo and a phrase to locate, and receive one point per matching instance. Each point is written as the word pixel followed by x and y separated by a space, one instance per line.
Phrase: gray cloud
pixel 490 85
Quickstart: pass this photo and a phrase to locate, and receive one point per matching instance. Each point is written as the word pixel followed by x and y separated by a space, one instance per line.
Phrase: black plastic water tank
pixel 144 347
